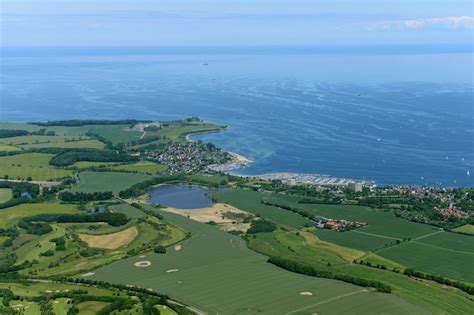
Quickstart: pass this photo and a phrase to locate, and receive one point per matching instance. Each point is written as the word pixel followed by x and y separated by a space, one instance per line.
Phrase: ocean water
pixel 392 118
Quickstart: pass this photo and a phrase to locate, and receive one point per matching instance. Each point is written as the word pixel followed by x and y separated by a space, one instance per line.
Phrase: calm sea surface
pixel 395 119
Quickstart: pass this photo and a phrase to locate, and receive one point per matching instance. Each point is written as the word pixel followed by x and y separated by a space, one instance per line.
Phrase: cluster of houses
pixel 452 211
pixel 190 157
pixel 337 225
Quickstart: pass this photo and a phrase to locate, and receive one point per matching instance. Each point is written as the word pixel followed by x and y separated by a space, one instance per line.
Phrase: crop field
pixel 5 194
pixel 468 228
pixel 249 201
pixel 447 254
pixel 9 216
pixel 144 167
pixel 311 251
pixel 35 165
pixel 33 141
pixel 107 181
pixel 216 272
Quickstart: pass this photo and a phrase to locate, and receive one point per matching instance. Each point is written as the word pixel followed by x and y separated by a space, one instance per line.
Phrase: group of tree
pixel 85 197
pixel 139 188
pixel 261 226
pixel 311 271
pixel 38 224
pixel 6 133
pixel 69 157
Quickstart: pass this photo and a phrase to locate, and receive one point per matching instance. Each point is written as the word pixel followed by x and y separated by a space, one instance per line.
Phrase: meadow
pixel 34 165
pixel 216 272
pixel 5 194
pixel 8 148
pixel 107 181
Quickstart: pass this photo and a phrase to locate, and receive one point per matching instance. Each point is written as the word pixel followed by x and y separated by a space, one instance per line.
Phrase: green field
pixel 5 194
pixel 144 167
pixel 32 142
pixel 107 181
pixel 468 228
pixel 10 215
pixel 218 273
pixel 447 254
pixel 35 165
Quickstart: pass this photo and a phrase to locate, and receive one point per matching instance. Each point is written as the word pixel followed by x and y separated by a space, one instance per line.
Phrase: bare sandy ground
pixel 214 213
pixel 110 241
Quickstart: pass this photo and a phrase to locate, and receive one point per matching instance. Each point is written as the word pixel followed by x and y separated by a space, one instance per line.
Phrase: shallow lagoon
pixel 181 196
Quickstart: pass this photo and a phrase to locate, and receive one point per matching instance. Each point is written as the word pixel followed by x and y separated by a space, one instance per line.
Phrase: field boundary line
pixel 451 250
pixel 329 300
pixel 423 236
pixel 377 235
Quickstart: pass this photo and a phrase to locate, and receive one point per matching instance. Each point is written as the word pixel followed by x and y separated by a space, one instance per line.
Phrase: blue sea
pixel 394 118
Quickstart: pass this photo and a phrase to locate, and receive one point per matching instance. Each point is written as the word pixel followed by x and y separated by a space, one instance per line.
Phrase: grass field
pixel 128 210
pixel 60 306
pixel 35 165
pixel 165 310
pixel 218 273
pixel 144 167
pixel 468 228
pixel 5 194
pixel 8 148
pixel 10 215
pixel 107 181
pixel 31 142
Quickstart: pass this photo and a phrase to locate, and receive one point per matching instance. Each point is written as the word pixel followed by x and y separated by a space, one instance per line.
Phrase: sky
pixel 234 23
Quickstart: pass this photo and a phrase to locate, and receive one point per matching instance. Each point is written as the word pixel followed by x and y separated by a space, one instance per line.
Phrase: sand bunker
pixel 214 213
pixel 110 241
pixel 306 293
pixel 172 270
pixel 142 264
pixel 177 248
pixel 142 256
pixel 89 274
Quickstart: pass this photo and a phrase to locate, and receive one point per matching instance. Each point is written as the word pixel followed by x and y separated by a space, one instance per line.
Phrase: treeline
pixel 85 197
pixel 68 157
pixel 5 133
pixel 442 280
pixel 311 271
pixel 84 122
pixel 139 188
pixel 288 208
